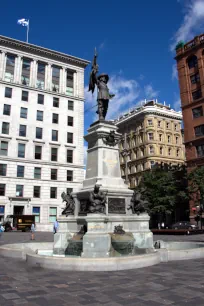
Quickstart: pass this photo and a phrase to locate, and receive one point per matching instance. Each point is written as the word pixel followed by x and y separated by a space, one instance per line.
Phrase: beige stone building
pixel 151 134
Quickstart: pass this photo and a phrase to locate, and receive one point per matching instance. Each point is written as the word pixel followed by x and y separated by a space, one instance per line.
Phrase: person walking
pixel 1 229
pixel 32 229
pixel 56 226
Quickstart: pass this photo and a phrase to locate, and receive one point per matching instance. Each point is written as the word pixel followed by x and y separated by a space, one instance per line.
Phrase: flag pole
pixel 27 30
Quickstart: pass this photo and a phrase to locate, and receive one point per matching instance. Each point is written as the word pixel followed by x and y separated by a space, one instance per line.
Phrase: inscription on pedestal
pixel 116 206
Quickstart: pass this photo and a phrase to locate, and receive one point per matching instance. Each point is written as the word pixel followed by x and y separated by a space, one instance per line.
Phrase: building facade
pixel 190 66
pixel 151 134
pixel 41 129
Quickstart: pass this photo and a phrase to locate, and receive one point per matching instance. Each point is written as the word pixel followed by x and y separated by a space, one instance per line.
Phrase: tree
pixel 165 188
pixel 196 185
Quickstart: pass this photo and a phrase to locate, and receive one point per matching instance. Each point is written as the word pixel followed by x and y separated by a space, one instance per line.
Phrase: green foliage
pixel 196 184
pixel 164 188
pixel 180 45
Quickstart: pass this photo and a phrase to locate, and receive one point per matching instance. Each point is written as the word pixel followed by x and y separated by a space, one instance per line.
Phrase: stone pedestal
pixel 103 169
pixel 96 242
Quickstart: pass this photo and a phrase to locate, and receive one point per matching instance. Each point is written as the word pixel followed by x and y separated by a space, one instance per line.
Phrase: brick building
pixel 190 65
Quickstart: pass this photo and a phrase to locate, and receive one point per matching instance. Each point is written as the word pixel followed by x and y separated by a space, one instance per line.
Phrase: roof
pixel 41 51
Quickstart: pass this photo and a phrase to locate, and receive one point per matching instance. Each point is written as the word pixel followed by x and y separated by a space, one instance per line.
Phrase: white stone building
pixel 41 129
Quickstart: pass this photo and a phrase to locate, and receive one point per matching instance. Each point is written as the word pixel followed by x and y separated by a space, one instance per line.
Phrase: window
pixel 39 132
pixel 55 102
pixel 4 148
pixel 22 130
pixel 53 154
pixel 8 92
pixel 40 99
pixel 151 136
pixel 70 121
pixel 200 150
pixel 37 173
pixel 54 135
pixel 53 192
pixel 159 123
pixel 7 109
pixel 196 94
pixel 25 76
pixel 152 163
pixel 54 174
pixel 41 75
pixel 195 78
pixel 70 137
pixel 36 213
pixel 175 127
pixel 177 139
pixel 2 209
pixel 53 214
pixel 69 156
pixel 39 116
pixel 177 152
pixel 169 139
pixel 10 65
pixel 24 96
pixel 169 151
pixel 161 151
pixel 20 171
pixel 69 83
pixel 36 191
pixel 197 112
pixel 3 168
pixel 151 150
pixel 19 190
pixel 192 62
pixel 2 189
pixel 21 150
pixel 69 175
pixel 69 190
pixel 150 122
pixel 38 152
pixel 24 112
pixel 160 137
pixel 55 118
pixel 70 105
pixel 199 130
pixel 167 125
pixel 5 128
pixel 55 78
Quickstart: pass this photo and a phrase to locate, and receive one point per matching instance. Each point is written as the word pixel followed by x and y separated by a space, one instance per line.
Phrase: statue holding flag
pixel 103 95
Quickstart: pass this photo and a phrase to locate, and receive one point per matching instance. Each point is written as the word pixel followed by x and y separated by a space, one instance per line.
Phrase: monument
pixel 104 203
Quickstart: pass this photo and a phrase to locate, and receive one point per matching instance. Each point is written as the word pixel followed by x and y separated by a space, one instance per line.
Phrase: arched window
pixel 192 62
pixel 161 151
pixel 151 150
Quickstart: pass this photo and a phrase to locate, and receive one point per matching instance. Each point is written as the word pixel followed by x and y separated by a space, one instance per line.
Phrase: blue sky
pixel 135 41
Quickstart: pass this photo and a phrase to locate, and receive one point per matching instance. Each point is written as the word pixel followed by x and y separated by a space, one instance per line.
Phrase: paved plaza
pixel 173 283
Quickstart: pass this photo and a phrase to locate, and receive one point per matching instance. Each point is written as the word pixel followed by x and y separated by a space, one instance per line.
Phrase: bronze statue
pixel 138 204
pixel 70 204
pixel 110 139
pixel 97 200
pixel 100 81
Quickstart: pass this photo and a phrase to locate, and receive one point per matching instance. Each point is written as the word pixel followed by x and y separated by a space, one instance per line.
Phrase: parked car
pixel 184 225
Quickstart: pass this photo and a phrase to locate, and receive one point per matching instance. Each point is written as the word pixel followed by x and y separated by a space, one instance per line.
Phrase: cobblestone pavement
pixel 174 283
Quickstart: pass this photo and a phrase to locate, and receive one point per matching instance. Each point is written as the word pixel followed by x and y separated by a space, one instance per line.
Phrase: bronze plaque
pixel 116 206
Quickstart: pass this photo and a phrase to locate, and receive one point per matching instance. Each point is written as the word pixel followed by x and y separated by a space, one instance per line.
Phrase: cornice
pixel 147 110
pixel 40 51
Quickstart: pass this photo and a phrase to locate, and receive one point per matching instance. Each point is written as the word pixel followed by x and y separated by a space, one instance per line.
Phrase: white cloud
pixel 192 24
pixel 102 45
pixel 174 74
pixel 150 92
pixel 128 93
pixel 177 102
